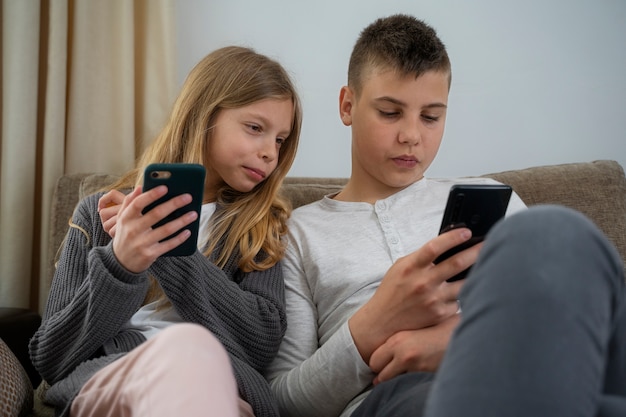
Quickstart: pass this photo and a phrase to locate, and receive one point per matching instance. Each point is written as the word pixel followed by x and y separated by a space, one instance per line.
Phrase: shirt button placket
pixel 392 236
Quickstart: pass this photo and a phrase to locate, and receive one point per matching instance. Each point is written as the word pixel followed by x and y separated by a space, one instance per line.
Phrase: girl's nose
pixel 269 150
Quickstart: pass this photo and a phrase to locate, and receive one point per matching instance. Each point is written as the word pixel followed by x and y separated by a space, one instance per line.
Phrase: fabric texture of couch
pixel 16 392
pixel 597 189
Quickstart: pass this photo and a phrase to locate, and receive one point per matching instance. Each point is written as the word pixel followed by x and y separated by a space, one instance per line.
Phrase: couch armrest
pixel 17 326
pixel 16 392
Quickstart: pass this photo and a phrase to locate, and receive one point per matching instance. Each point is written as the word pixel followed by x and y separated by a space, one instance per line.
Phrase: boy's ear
pixel 346 100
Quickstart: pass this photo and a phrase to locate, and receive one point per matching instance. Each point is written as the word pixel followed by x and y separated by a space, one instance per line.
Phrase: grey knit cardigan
pixel 92 296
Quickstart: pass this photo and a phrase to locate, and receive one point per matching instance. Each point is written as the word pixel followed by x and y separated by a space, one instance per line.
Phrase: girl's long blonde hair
pixel 250 224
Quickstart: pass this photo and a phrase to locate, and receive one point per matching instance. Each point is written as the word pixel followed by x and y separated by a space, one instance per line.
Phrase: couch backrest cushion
pixel 597 189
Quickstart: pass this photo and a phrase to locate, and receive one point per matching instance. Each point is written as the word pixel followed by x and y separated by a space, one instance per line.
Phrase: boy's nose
pixel 410 135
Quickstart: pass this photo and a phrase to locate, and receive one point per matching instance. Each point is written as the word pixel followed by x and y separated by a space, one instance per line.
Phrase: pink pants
pixel 183 371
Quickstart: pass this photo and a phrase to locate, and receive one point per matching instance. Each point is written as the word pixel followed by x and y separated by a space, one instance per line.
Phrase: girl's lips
pixel 257 174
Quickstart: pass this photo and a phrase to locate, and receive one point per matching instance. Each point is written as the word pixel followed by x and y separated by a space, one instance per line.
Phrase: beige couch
pixel 597 189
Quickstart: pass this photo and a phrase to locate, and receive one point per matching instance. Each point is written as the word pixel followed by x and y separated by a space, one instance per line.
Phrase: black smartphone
pixel 179 179
pixel 477 207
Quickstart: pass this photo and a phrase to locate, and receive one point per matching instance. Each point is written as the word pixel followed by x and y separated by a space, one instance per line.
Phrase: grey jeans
pixel 543 331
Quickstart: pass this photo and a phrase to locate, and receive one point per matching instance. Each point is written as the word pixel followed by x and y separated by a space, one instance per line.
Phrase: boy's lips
pixel 407 161
pixel 406 158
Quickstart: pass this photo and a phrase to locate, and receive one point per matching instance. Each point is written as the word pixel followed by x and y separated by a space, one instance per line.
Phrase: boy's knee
pixel 551 218
pixel 551 224
pixel 552 238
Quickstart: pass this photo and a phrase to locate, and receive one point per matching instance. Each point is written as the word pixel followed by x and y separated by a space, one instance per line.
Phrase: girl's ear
pixel 346 99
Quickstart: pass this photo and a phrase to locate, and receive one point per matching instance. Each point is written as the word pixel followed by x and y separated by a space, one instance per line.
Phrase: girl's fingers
pixel 161 211
pixel 169 244
pixel 132 196
pixel 109 205
pixel 111 199
pixel 164 231
pixel 137 242
pixel 108 223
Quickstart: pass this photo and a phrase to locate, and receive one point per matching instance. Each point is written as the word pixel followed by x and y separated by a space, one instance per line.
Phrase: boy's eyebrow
pixel 403 104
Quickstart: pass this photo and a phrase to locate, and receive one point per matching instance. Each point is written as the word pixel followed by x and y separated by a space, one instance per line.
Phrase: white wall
pixel 535 82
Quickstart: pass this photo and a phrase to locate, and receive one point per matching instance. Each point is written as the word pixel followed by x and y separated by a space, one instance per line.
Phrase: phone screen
pixel 477 207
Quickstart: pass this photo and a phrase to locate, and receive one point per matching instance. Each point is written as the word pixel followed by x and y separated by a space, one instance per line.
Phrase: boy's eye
pixel 389 114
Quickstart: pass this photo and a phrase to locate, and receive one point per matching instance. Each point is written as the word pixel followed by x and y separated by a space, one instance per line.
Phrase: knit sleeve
pixel 91 297
pixel 244 310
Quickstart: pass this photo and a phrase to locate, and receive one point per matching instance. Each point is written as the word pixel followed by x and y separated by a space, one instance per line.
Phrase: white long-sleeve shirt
pixel 337 255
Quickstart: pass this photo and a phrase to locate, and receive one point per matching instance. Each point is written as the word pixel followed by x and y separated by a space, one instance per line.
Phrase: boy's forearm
pixel 309 390
pixel 365 333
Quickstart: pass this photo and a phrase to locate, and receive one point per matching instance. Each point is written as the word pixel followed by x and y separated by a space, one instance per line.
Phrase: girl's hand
pixel 108 207
pixel 136 244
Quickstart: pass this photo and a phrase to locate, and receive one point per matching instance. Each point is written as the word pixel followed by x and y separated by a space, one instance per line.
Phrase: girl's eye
pixel 255 128
pixel 280 141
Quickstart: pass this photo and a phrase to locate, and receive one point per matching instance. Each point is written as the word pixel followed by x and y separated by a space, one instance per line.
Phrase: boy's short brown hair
pixel 401 43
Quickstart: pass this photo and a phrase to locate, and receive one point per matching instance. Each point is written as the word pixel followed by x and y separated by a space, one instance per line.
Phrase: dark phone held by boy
pixel 477 207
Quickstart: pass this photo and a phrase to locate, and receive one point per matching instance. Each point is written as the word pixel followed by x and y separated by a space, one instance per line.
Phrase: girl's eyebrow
pixel 255 115
pixel 266 122
pixel 401 103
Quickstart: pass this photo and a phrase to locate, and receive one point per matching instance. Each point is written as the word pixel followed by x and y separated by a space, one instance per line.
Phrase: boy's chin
pixel 398 185
pixel 403 181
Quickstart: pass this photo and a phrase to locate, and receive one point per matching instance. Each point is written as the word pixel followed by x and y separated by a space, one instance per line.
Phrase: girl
pixel 239 115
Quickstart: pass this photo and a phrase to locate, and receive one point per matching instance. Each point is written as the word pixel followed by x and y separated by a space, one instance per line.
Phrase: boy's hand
pixel 414 293
pixel 412 350
pixel 108 207
pixel 136 244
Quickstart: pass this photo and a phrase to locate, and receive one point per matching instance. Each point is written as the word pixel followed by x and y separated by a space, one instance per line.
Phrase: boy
pixel 369 314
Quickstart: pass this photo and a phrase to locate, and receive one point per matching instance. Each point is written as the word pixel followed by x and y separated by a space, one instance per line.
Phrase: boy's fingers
pixel 440 244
